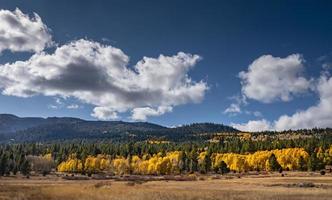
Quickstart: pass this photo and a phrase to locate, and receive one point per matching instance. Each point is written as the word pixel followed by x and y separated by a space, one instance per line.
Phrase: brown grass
pixel 272 187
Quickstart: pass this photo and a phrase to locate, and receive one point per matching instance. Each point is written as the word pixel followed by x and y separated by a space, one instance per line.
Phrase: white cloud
pixel 272 78
pixel 19 32
pixel 141 114
pixel 269 78
pixel 58 103
pixel 104 113
pixel 254 113
pixel 234 108
pixel 319 115
pixel 73 106
pixel 253 125
pixel 237 107
pixel 98 74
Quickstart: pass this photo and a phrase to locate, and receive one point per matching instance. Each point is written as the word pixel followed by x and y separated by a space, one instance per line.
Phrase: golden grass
pixel 245 188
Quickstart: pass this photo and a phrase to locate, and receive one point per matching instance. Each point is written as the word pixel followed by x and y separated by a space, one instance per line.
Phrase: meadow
pixel 272 186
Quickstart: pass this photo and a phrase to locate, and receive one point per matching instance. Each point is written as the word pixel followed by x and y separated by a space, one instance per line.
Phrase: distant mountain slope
pixel 205 128
pixel 54 128
pixel 12 123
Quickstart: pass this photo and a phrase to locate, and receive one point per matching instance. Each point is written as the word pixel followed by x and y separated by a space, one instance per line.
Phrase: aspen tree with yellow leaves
pixel 287 158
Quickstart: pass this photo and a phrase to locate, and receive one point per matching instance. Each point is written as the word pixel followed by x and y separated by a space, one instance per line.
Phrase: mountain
pixel 11 123
pixel 54 128
pixel 198 128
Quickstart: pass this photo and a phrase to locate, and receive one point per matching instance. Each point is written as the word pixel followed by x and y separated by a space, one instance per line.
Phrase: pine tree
pixel 3 165
pixel 193 161
pixel 183 163
pixel 15 169
pixel 273 163
pixel 25 167
pixel 302 164
pixel 223 168
pixel 207 163
pixel 313 162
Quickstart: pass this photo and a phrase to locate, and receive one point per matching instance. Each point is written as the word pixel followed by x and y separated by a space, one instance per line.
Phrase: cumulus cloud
pixel 98 74
pixel 318 115
pixel 20 32
pixel 141 114
pixel 272 78
pixel 253 125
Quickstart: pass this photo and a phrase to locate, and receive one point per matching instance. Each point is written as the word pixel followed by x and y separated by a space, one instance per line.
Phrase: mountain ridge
pixel 24 129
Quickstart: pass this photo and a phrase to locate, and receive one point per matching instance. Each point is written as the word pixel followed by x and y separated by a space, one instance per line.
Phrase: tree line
pixel 233 154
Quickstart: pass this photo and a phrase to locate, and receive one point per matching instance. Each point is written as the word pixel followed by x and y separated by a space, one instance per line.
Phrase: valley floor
pixel 299 186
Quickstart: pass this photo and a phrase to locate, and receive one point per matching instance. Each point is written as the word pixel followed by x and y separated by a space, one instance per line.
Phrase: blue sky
pixel 227 35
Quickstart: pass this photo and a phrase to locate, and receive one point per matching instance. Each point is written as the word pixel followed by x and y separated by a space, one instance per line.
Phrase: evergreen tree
pixel 223 168
pixel 3 164
pixel 207 163
pixel 273 163
pixel 25 167
pixel 15 169
pixel 302 164
pixel 183 163
pixel 313 162
pixel 193 161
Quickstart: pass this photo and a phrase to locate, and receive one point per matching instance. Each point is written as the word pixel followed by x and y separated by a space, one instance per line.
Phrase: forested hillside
pixel 13 128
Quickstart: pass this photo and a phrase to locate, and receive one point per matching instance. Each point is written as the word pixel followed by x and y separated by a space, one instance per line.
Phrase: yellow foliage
pixel 287 158
pixel 91 164
pixel 170 163
pixel 98 163
pixel 235 162
pixel 157 164
pixel 48 157
pixel 120 165
pixel 327 156
pixel 71 165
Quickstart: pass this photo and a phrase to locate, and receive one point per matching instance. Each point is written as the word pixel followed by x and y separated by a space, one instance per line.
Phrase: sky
pixel 255 65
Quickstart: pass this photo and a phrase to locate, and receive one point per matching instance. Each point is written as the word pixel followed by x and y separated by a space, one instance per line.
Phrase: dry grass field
pixel 297 186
